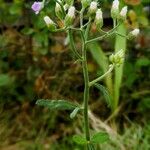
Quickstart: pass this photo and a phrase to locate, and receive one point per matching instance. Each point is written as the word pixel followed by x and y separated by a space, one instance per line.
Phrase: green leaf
pixel 74 112
pixel 100 137
pixel 27 31
pixel 142 62
pixel 4 79
pixel 79 139
pixel 56 104
pixel 120 43
pixel 105 93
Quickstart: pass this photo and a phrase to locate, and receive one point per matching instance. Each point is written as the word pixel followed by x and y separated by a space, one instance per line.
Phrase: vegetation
pixel 38 64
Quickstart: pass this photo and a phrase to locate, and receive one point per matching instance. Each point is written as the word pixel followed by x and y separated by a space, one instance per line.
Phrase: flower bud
pixel 85 3
pixel 115 9
pixel 50 24
pixel 58 11
pixel 93 8
pixel 117 58
pixel 133 33
pixel 123 13
pixel 99 19
pixel 70 16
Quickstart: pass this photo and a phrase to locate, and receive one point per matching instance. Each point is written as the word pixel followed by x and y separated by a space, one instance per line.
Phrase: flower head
pixel 123 12
pixel 70 16
pixel 49 22
pixel 115 9
pixel 99 19
pixel 93 7
pixel 71 12
pixel 133 33
pixel 37 6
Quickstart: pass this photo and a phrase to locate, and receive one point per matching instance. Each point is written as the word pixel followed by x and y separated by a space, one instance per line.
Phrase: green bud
pixel 58 11
pixel 117 58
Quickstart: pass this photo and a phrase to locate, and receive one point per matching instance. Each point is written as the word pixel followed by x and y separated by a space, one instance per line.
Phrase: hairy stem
pixel 86 90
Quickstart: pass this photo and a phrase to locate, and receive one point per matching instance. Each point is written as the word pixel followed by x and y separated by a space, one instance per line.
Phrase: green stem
pixel 86 89
pixel 107 34
pixel 101 77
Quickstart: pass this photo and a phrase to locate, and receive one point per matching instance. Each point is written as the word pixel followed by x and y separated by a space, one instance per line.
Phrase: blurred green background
pixel 35 63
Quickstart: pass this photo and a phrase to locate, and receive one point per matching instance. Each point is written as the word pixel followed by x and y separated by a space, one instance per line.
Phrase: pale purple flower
pixel 37 6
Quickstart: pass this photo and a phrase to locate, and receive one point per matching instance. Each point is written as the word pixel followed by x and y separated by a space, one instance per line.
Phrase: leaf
pixel 79 139
pixel 105 93
pixel 4 79
pixel 142 62
pixel 27 31
pixel 101 59
pixel 120 43
pixel 56 104
pixel 74 112
pixel 100 137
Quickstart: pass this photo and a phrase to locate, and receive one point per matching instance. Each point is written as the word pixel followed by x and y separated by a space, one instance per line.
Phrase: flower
pixel 115 9
pixel 123 13
pixel 93 7
pixel 70 16
pixel 49 22
pixel 99 19
pixel 133 33
pixel 71 12
pixel 37 6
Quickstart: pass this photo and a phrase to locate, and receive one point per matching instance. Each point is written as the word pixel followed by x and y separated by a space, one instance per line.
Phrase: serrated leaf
pixel 79 139
pixel 100 137
pixel 74 112
pixel 105 93
pixel 56 104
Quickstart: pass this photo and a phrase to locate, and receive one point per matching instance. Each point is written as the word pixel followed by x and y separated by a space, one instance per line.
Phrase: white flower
pixel 99 19
pixel 115 5
pixel 135 32
pixel 48 21
pixel 71 12
pixel 50 24
pixel 70 16
pixel 99 14
pixel 115 9
pixel 93 7
pixel 123 12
